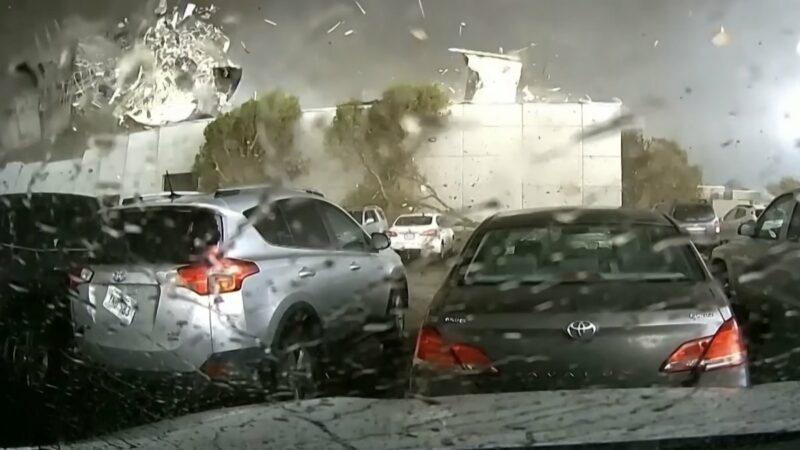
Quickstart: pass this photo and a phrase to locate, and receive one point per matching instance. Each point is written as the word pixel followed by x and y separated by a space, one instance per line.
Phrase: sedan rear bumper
pixel 429 383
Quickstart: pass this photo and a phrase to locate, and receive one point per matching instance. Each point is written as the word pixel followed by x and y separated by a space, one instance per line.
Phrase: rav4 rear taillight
pixel 218 276
pixel 436 352
pixel 724 349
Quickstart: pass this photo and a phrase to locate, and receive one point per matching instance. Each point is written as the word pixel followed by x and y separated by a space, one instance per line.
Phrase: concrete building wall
pixel 523 155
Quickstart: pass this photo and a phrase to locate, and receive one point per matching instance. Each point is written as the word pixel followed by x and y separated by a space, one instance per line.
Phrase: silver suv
pixel 253 284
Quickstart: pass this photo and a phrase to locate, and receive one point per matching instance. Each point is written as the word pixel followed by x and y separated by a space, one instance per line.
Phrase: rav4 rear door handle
pixel 354 266
pixel 305 272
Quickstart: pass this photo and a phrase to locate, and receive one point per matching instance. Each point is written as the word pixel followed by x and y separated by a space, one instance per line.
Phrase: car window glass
pixel 773 218
pixel 693 213
pixel 159 235
pixel 740 212
pixel 793 232
pixel 349 236
pixel 536 254
pixel 272 226
pixel 370 215
pixel 305 223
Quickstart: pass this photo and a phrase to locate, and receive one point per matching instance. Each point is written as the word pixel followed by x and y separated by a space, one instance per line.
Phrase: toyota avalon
pixel 573 299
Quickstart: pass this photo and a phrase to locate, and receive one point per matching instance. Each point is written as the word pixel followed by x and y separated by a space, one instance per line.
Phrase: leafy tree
pixel 785 184
pixel 252 144
pixel 383 138
pixel 656 170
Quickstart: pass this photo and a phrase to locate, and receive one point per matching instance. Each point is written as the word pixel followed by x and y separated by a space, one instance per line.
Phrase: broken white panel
pixel 538 196
pixel 492 77
pixel 178 145
pixel 58 176
pixel 444 173
pixel 89 169
pixel 141 164
pixel 491 178
pixel 28 175
pixel 602 196
pixel 112 167
pixel 8 177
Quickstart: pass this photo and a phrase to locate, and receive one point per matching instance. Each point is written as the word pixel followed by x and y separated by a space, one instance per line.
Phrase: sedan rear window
pixel 412 221
pixel 575 252
pixel 160 235
pixel 694 213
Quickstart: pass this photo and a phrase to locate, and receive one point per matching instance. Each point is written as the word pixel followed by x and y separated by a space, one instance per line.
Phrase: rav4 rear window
pixel 160 235
pixel 694 213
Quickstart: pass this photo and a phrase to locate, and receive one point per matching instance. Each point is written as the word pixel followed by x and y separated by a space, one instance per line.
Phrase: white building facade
pixel 521 154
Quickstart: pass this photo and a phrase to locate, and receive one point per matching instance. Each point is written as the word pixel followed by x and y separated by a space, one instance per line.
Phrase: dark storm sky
pixel 737 108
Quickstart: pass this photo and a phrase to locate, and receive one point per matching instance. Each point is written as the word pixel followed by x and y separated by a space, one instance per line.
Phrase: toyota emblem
pixel 581 329
pixel 118 276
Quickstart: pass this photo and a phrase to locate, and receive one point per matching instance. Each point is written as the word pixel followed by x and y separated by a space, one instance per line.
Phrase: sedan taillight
pixel 434 350
pixel 716 226
pixel 429 233
pixel 724 349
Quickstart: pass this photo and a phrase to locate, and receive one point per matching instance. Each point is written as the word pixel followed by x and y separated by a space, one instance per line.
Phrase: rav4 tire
pixel 297 367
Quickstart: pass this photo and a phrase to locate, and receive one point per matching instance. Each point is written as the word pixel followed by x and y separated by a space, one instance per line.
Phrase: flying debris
pixel 421 8
pixel 175 70
pixel 492 77
pixel 333 28
pixel 360 8
pixel 722 38
pixel 270 22
pixel 348 32
pixel 419 33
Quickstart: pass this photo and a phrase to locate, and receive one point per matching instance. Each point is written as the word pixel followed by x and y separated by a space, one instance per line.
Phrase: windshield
pixel 413 221
pixel 693 213
pixel 560 222
pixel 580 253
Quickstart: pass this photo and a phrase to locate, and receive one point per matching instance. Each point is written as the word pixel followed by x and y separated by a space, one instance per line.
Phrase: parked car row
pixel 263 287
pixel 245 285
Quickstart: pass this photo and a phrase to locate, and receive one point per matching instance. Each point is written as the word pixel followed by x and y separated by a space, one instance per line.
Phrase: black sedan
pixel 578 298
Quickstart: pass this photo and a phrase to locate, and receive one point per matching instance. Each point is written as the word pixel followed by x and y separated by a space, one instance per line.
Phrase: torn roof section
pixel 491 77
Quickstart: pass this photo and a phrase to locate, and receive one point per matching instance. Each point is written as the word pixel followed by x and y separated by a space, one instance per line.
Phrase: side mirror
pixel 369 220
pixel 380 241
pixel 748 228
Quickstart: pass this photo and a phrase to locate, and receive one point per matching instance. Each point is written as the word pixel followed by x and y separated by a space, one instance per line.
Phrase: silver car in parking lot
pixel 240 284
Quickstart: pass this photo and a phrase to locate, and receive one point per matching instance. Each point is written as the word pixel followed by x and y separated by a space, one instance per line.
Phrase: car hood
pixel 500 420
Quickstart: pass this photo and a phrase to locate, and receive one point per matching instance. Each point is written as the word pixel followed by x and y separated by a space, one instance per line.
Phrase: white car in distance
pixel 422 234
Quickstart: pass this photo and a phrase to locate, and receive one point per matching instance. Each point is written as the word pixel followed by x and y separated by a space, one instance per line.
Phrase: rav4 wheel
pixel 297 368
